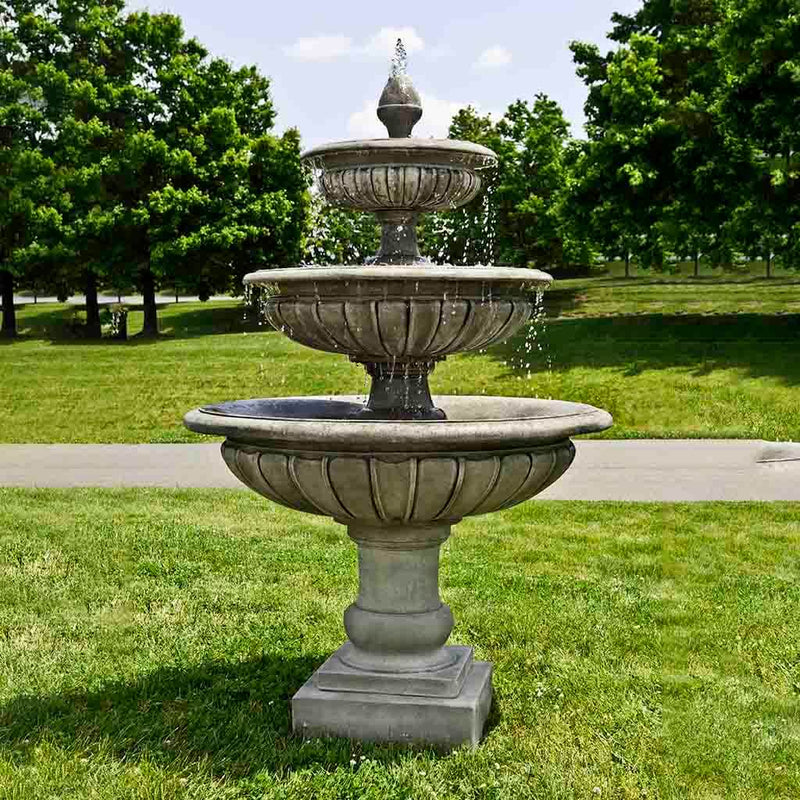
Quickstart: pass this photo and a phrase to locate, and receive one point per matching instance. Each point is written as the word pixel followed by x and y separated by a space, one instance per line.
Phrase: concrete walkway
pixel 649 470
pixel 109 299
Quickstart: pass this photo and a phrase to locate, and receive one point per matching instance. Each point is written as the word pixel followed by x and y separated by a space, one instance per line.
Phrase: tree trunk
pixel 696 264
pixel 93 328
pixel 9 329
pixel 769 265
pixel 149 302
pixel 627 264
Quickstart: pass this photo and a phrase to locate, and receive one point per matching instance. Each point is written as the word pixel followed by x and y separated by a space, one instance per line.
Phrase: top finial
pixel 400 107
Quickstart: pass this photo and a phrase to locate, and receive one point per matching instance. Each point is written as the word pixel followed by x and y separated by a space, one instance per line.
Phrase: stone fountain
pixel 401 469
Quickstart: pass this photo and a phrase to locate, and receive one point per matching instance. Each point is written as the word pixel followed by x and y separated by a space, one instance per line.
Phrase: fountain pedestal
pixel 394 680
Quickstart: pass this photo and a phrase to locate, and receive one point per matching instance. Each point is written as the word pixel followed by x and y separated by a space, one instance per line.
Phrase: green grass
pixel 669 358
pixel 151 641
pixel 603 297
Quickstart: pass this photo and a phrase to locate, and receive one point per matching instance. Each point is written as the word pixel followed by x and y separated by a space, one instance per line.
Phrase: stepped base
pixel 371 716
pixel 336 675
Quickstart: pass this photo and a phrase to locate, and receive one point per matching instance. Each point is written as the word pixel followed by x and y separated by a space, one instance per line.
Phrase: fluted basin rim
pixel 381 150
pixel 410 272
pixel 323 423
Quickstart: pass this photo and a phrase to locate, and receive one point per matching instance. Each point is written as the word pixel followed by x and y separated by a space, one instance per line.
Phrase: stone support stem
pixel 398 238
pixel 398 623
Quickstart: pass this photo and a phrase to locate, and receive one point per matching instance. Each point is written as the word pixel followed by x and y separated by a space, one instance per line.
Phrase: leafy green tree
pixel 70 56
pixel 339 236
pixel 165 165
pixel 30 199
pixel 534 141
pixel 200 190
pixel 760 47
pixel 698 109
pixel 468 235
pixel 517 219
pixel 617 183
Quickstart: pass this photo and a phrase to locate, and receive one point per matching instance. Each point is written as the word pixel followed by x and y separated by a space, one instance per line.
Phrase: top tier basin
pixel 400 174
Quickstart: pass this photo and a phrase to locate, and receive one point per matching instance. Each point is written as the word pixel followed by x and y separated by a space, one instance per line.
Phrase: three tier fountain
pixel 401 469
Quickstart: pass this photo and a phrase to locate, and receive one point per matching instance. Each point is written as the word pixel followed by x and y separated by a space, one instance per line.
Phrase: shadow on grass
pixel 234 718
pixel 764 346
pixel 64 325
pixel 211 319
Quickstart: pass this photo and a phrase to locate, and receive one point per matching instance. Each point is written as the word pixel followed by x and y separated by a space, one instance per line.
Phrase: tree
pixel 468 235
pixel 760 47
pixel 29 193
pixel 532 176
pixel 340 236
pixel 517 219
pixel 164 169
pixel 618 182
pixel 698 106
pixel 200 190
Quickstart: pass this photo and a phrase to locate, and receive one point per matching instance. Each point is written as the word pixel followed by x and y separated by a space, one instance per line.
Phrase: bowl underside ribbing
pixel 313 454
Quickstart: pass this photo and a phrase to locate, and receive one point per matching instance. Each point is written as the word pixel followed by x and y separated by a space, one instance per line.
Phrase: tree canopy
pixel 155 162
pixel 131 157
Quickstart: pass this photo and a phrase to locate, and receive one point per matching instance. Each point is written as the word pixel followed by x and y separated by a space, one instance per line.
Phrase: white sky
pixel 328 61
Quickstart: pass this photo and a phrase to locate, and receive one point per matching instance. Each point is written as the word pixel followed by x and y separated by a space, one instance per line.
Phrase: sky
pixel 328 61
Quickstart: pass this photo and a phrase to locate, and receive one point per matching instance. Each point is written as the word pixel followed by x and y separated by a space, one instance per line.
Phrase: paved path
pixel 107 299
pixel 671 470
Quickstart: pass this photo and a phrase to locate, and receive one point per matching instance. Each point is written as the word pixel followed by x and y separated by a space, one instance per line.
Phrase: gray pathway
pixel 673 470
pixel 106 299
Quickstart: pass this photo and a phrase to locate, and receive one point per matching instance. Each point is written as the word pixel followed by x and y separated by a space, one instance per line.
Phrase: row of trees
pixel 693 148
pixel 130 157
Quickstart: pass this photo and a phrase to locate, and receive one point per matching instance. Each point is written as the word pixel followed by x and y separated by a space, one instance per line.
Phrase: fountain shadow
pixel 233 719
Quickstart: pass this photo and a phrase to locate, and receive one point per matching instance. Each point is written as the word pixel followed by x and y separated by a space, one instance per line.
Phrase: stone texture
pixel 399 472
pixel 395 186
pixel 400 490
pixel 400 152
pixel 390 314
pixel 416 329
pixel 336 675
pixel 328 425
pixel 394 718
pixel 400 106
pixel 399 175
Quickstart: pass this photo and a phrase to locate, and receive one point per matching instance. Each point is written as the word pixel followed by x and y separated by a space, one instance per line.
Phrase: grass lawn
pixel 151 641
pixel 667 357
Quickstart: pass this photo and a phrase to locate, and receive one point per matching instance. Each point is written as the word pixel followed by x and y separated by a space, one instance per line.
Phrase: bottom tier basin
pixel 398 486
pixel 317 454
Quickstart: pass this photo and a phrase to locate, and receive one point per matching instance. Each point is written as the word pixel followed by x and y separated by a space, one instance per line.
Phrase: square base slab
pixel 335 675
pixel 394 718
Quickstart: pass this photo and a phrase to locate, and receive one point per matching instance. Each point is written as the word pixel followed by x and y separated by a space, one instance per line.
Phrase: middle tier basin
pixel 314 454
pixel 382 313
